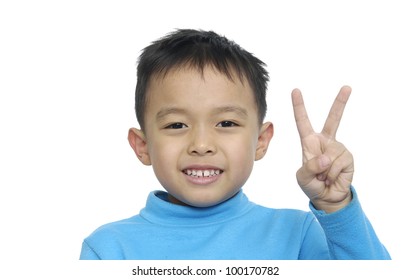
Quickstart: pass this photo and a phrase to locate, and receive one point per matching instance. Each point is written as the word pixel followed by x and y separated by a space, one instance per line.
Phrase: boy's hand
pixel 327 170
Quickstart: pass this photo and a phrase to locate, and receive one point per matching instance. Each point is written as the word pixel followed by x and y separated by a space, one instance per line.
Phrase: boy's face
pixel 202 135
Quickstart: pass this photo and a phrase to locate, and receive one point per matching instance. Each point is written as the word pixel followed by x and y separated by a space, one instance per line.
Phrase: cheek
pixel 241 152
pixel 164 155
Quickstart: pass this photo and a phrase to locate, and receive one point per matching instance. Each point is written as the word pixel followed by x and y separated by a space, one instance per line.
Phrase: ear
pixel 138 143
pixel 265 135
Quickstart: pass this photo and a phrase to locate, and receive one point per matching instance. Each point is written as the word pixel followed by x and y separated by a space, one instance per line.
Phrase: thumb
pixel 312 168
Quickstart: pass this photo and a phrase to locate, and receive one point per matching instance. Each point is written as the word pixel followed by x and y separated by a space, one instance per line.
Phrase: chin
pixel 203 202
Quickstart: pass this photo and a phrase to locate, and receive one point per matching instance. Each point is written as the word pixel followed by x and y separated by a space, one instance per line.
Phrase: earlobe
pixel 265 135
pixel 138 143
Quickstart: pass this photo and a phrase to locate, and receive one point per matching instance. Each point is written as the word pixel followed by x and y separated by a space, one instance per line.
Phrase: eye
pixel 226 124
pixel 177 125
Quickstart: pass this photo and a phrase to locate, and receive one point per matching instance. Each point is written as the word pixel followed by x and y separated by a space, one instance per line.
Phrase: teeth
pixel 202 173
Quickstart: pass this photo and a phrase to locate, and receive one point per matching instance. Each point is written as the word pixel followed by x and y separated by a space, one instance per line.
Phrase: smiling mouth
pixel 196 173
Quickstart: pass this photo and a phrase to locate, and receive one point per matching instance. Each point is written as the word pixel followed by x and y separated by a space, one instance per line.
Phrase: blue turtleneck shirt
pixel 235 229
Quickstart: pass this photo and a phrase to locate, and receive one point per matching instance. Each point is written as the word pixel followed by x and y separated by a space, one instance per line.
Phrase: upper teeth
pixel 202 173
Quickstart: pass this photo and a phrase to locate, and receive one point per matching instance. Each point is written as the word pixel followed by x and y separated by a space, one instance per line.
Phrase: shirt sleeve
pixel 87 253
pixel 349 234
pixel 314 246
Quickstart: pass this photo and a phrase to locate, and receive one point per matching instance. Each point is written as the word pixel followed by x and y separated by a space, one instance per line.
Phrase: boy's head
pixel 198 49
pixel 200 101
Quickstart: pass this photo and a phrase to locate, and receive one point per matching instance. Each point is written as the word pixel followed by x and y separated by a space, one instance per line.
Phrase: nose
pixel 202 142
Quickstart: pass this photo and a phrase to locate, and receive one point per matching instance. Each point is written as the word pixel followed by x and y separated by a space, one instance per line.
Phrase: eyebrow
pixel 241 112
pixel 168 111
pixel 232 109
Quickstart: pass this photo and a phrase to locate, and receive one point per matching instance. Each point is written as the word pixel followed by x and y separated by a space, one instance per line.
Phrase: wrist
pixel 331 207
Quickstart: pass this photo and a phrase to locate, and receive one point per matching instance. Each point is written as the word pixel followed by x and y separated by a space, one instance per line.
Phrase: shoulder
pixel 279 212
pixel 112 229
pixel 284 215
pixel 107 240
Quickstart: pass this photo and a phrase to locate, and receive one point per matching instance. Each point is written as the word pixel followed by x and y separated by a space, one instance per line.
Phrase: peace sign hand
pixel 327 170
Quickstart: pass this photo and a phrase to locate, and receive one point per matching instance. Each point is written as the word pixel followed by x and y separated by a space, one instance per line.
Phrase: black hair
pixel 198 49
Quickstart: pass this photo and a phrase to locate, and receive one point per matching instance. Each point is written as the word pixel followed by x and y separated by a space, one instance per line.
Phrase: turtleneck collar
pixel 159 210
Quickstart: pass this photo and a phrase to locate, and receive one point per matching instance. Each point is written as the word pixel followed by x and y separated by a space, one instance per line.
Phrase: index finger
pixel 301 117
pixel 336 112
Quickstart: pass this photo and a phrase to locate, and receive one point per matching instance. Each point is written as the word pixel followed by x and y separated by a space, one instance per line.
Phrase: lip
pixel 202 180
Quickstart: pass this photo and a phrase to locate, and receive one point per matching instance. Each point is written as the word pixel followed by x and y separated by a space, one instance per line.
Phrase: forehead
pixel 185 82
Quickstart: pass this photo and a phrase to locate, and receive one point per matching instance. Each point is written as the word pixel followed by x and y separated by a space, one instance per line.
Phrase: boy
pixel 200 103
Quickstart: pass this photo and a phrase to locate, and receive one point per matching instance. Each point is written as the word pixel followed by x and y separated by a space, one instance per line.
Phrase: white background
pixel 67 79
